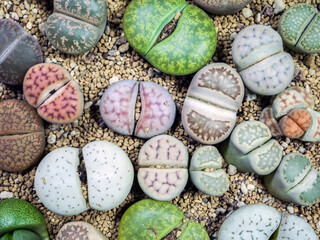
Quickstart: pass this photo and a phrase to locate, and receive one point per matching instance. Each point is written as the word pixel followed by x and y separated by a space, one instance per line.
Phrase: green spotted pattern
pixel 309 42
pixel 294 167
pixel 251 133
pixel 312 195
pixel 193 231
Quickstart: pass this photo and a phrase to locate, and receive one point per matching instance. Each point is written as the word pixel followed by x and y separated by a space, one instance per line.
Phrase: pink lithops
pixel 163 162
pixel 117 108
pixel 268 119
pixel 51 89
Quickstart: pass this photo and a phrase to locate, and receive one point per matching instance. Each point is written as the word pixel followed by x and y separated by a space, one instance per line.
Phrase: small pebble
pixel 5 195
pixel 250 187
pixel 244 189
pixel 284 145
pixel 29 25
pixel 278 6
pixel 113 80
pixel 124 47
pixel 240 204
pixel 302 149
pixel 290 209
pixel 247 12
pixel 220 210
pixel 42 27
pixel 88 105
pixel 233 36
pixel 232 170
pixel 257 18
pixel 15 16
pixel 52 138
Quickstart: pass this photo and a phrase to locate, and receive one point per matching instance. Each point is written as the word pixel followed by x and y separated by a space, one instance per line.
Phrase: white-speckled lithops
pixel 250 148
pixel 213 98
pixel 263 222
pixel 299 28
pixel 163 162
pixel 109 174
pixel 206 173
pixel 295 180
pixel 117 108
pixel 264 67
pixel 80 231
pixel 222 7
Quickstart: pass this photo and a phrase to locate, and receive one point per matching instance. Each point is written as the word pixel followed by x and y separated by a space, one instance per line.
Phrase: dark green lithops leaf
pixel 18 52
pixel 75 27
pixel 22 234
pixel 193 230
pixel 222 7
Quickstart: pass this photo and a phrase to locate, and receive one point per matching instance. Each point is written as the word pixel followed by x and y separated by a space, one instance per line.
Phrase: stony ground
pixel 113 60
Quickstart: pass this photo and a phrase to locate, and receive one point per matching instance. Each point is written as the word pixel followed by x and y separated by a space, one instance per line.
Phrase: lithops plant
pixel 223 7
pixel 22 138
pixel 21 220
pixel 163 162
pixel 117 108
pixel 250 148
pixel 259 221
pixel 291 114
pixel 187 49
pixel 299 28
pixel 213 98
pixel 264 67
pixel 150 219
pixel 76 26
pixel 295 180
pixel 206 173
pixel 50 88
pixel 109 175
pixel 79 230
pixel 18 52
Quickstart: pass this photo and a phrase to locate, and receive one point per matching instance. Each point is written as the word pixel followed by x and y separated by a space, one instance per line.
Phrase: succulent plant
pixel 299 28
pixel 22 138
pixel 163 162
pixel 224 7
pixel 292 115
pixel 79 230
pixel 213 98
pixel 75 27
pixel 50 88
pixel 259 221
pixel 18 52
pixel 21 220
pixel 150 219
pixel 109 173
pixel 250 148
pixel 206 173
pixel 264 67
pixel 187 49
pixel 117 108
pixel 295 180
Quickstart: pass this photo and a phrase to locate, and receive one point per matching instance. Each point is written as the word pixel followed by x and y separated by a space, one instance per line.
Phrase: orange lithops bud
pixel 302 117
pixel 290 128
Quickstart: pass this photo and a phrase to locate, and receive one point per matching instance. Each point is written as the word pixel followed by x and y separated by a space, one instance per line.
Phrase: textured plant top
pixel 18 52
pixel 117 108
pixel 17 214
pixel 187 49
pixel 214 95
pixel 79 230
pixel 51 89
pixel 149 219
pixel 75 27
pixel 299 27
pixel 222 7
pixel 22 138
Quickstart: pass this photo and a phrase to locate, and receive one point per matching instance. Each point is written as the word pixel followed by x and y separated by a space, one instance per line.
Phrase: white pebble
pixel 52 138
pixel 240 204
pixel 114 79
pixel 42 27
pixel 132 72
pixel 290 209
pixel 233 36
pixel 1 14
pixel 247 12
pixel 250 187
pixel 302 149
pixel 5 195
pixel 29 25
pixel 232 170
pixel 88 105
pixel 220 210
pixel 284 145
pixel 26 4
pixel 278 6
pixel 257 18
pixel 15 16
pixel 243 188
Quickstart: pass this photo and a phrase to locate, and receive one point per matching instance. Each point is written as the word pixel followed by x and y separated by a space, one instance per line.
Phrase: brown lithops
pixel 22 138
pixel 51 89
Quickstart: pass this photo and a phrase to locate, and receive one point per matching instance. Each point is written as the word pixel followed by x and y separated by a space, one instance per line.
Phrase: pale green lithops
pixel 295 181
pixel 76 26
pixel 223 7
pixel 213 98
pixel 18 52
pixel 109 175
pixel 206 173
pixel 163 162
pixel 264 67
pixel 79 230
pixel 250 148
pixel 299 28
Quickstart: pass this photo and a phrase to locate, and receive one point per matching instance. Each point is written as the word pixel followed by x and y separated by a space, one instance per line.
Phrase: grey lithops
pixel 18 52
pixel 264 67
pixel 223 7
pixel 117 108
pixel 295 180
pixel 163 162
pixel 109 173
pixel 299 28
pixel 206 173
pixel 213 98
pixel 79 230
pixel 250 148
pixel 76 26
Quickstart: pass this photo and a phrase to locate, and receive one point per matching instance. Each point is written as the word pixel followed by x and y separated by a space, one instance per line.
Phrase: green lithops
pixel 223 7
pixel 206 173
pixel 75 26
pixel 149 219
pixel 187 49
pixel 299 27
pixel 295 181
pixel 250 148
